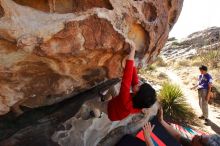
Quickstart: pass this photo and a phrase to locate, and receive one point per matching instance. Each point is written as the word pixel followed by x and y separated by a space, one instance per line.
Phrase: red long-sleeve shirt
pixel 121 106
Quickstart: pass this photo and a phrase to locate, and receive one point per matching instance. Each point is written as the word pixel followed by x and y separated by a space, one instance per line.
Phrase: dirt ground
pixel 185 78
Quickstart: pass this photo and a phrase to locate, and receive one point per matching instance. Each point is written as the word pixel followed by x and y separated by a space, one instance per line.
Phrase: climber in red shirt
pixel 125 103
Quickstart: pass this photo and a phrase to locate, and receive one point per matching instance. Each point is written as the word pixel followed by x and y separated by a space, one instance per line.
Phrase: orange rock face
pixel 50 49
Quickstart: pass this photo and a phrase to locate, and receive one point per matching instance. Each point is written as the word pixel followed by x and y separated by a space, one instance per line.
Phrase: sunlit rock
pixel 54 48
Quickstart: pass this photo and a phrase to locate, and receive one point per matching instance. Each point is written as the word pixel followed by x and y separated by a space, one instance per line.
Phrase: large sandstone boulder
pixel 50 49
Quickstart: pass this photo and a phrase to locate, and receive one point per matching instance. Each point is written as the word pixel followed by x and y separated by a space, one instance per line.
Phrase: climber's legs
pixel 92 109
pixel 101 107
pixel 111 93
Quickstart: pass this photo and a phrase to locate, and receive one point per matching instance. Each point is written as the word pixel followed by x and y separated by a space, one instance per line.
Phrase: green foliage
pixel 175 43
pixel 151 67
pixel 174 104
pixel 172 39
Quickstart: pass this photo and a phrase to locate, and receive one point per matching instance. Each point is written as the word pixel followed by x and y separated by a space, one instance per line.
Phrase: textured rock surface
pixel 99 131
pixel 52 48
pixel 36 126
pixel 68 123
pixel 188 47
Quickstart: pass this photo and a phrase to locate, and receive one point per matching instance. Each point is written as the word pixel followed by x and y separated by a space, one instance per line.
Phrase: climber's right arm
pixel 132 52
pixel 124 93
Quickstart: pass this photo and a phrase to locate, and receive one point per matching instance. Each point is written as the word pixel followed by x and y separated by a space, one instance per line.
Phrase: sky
pixel 196 15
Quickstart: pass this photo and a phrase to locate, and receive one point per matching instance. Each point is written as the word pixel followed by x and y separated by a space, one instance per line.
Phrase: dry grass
pixel 154 76
pixel 184 63
pixel 178 64
pixel 210 57
pixel 150 67
pixel 160 62
pixel 196 61
pixel 162 76
pixel 186 82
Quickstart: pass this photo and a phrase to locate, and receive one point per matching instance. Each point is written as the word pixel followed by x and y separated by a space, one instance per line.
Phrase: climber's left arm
pixel 124 93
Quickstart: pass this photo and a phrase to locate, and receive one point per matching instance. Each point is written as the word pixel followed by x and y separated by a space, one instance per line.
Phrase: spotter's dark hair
pixel 203 67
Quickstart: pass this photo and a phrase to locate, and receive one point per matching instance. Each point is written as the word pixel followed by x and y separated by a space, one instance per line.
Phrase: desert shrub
pixel 196 62
pixel 142 71
pixel 147 69
pixel 160 62
pixel 151 67
pixel 172 39
pixel 184 63
pixel 210 57
pixel 174 104
pixel 162 75
pixel 175 43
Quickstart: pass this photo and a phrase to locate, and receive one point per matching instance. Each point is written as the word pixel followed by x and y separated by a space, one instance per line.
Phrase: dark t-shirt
pixel 185 141
pixel 204 81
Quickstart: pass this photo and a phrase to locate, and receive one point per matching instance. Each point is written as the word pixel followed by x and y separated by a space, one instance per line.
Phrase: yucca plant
pixel 174 104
